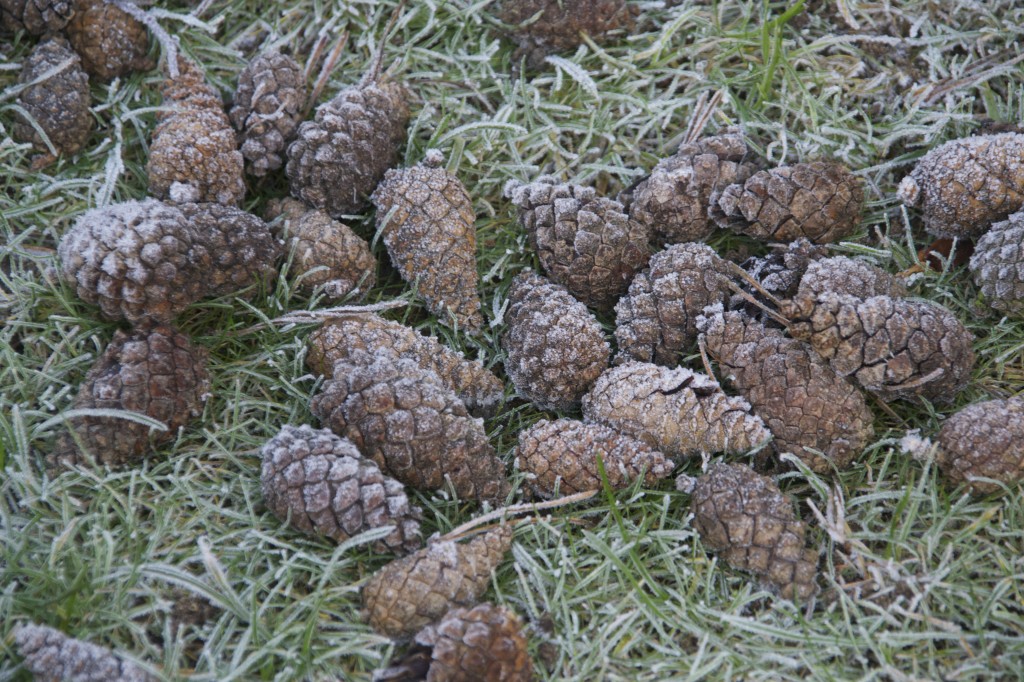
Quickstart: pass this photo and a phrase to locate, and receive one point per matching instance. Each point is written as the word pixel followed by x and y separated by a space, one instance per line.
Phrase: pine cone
pixel 674 199
pixel 241 250
pixel 656 320
pixel 401 416
pixel 564 454
pixel 804 403
pixel 486 642
pixel 820 201
pixel 194 155
pixel 351 337
pixel 36 17
pixel 110 41
pixel 585 243
pixel 268 108
pixel 414 591
pixel 543 26
pixel 320 484
pixel 156 372
pixel 338 158
pixel 59 104
pixel 138 260
pixel 984 440
pixel 679 412
pixel 998 265
pixel 893 347
pixel 965 185
pixel 52 656
pixel 426 218
pixel 845 276
pixel 779 273
pixel 556 349
pixel 746 519
pixel 327 253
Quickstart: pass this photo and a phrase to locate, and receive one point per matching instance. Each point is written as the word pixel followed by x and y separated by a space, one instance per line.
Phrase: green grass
pixel 919 582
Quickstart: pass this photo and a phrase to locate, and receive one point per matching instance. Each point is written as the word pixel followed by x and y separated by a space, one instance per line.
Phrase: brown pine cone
pixel 679 412
pixel 820 201
pixel 52 656
pixel 485 642
pixel 965 185
pixel 58 104
pixel 111 42
pixel 656 321
pixel 401 416
pixel 555 346
pixel 674 199
pixel 564 454
pixel 894 347
pixel 426 218
pixel 585 243
pixel 326 253
pixel 268 108
pixel 320 484
pixel 36 17
pixel 804 403
pixel 138 260
pixel 351 337
pixel 339 157
pixel 414 591
pixel 984 440
pixel 155 371
pixel 544 26
pixel 781 270
pixel 746 519
pixel 842 275
pixel 242 251
pixel 194 156
pixel 998 265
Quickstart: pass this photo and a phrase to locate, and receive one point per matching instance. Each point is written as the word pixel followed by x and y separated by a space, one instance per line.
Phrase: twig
pixel 322 315
pixel 170 45
pixel 524 508
pixel 325 73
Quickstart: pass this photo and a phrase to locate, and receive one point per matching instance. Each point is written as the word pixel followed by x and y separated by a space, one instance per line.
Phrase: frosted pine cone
pixel 241 249
pixel 36 17
pixel 194 156
pixel 326 252
pixel 746 519
pixel 674 199
pixel 414 591
pixel 352 337
pixel 998 265
pixel 339 157
pixel 984 440
pixel 426 218
pixel 804 403
pixel 656 320
pixel 820 201
pixel 965 185
pixel 401 416
pixel 842 275
pixel 52 656
pixel 780 271
pixel 894 347
pixel 486 642
pixel 59 104
pixel 585 243
pixel 268 108
pixel 320 484
pixel 138 260
pixel 543 26
pixel 679 412
pixel 156 372
pixel 110 41
pixel 556 349
pixel 564 454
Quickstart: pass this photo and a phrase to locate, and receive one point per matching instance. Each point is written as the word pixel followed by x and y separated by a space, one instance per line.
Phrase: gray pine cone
pixel 998 265
pixel 52 656
pixel 842 275
pixel 320 484
pixel 984 440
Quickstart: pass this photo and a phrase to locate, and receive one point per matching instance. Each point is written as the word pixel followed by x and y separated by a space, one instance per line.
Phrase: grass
pixel 919 581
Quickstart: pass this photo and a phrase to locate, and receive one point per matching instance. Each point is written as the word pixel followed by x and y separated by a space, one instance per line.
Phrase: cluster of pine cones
pixel 799 337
